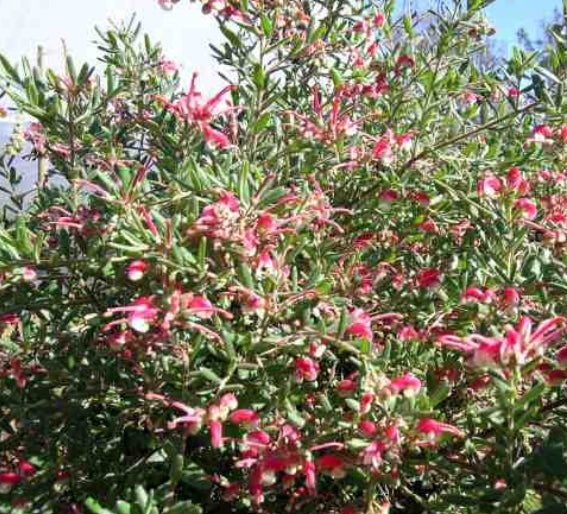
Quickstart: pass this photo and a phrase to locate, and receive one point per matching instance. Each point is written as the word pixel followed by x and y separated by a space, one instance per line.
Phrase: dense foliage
pixel 336 286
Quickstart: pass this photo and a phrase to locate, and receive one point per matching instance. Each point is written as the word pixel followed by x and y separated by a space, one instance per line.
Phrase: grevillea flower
pixel 429 278
pixel 382 150
pixel 407 384
pixel 510 297
pixel 257 438
pixel 360 324
pixel 561 357
pixel 266 223
pixel 478 294
pixel 136 270
pixel 490 186
pixel 518 346
pixel 388 196
pixel 309 471
pixel 526 208
pixel 141 314
pixel 346 387
pixel 9 480
pixel 542 134
pixel 373 454
pixel 306 369
pixel 29 274
pixel 408 333
pixel 368 428
pixel 192 418
pixel 332 465
pixel 215 428
pixel 365 402
pixel 245 417
pixel 26 468
pixel 379 20
pixel 434 429
pixel 214 137
pixel 515 181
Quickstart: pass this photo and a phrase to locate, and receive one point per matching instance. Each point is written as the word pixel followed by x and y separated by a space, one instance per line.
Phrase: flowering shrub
pixel 337 285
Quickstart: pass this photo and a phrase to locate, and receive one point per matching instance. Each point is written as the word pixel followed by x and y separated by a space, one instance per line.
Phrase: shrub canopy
pixel 335 286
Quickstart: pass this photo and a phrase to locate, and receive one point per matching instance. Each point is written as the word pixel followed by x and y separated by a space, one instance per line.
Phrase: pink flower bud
pixel 136 270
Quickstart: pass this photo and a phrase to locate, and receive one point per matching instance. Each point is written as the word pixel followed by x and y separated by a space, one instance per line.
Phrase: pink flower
pixel 142 314
pixel 373 454
pixel 306 369
pixel 428 278
pixel 245 417
pixel 478 294
pixel 201 307
pixel 29 274
pixel 379 20
pixel 434 429
pixel 513 92
pixel 542 133
pixel 214 137
pixel 526 207
pixel 310 477
pixel 266 263
pixel 215 427
pixel 519 344
pixel 191 418
pixel 490 185
pixel 388 196
pixel 383 150
pixel 360 325
pixel 168 67
pixel 510 297
pixel 368 428
pixel 515 180
pixel 429 226
pixel 9 480
pixel 26 468
pixel 407 384
pixel 267 224
pixel 9 319
pixel 346 387
pixel 257 438
pixel 136 270
pixel 365 403
pixel 193 108
pixel 408 333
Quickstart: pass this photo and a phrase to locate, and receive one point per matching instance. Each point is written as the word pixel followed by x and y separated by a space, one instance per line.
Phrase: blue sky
pixel 508 16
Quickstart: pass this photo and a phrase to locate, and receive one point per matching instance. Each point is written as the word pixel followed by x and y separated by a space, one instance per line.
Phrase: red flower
pixel 434 429
pixel 244 417
pixel 429 278
pixel 331 464
pixel 360 325
pixel 306 369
